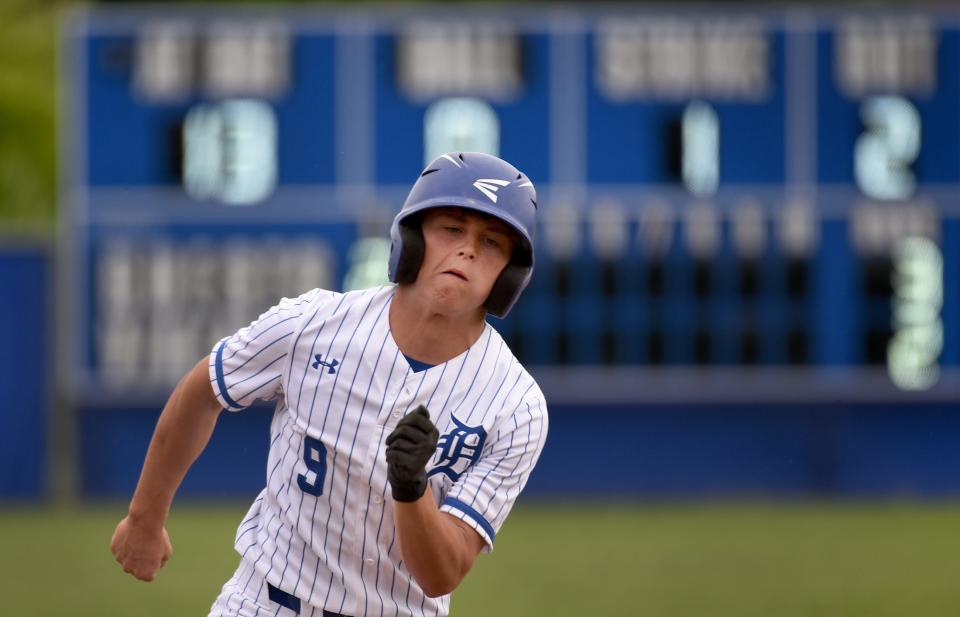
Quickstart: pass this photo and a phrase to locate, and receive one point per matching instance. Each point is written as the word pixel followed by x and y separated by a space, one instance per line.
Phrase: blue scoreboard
pixel 721 189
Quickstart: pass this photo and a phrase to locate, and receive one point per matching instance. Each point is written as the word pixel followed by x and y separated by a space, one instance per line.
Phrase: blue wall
pixel 737 450
pixel 24 371
pixel 113 442
pixel 657 451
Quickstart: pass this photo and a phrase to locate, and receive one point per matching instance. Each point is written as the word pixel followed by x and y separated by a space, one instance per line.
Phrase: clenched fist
pixel 141 550
pixel 409 447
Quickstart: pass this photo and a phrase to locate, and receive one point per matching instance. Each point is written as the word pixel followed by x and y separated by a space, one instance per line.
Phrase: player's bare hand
pixel 140 549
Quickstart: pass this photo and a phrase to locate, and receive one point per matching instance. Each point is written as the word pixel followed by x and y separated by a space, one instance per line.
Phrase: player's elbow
pixel 442 581
pixel 440 587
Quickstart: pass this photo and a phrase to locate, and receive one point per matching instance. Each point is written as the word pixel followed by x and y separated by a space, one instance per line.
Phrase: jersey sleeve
pixel 249 364
pixel 485 494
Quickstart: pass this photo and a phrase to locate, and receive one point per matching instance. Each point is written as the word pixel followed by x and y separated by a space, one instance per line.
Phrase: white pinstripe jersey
pixel 322 529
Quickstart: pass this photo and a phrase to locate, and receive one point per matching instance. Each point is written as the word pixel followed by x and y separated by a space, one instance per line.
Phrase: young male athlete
pixel 404 427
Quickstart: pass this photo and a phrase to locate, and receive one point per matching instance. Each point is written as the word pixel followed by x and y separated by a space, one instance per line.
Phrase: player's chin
pixel 456 299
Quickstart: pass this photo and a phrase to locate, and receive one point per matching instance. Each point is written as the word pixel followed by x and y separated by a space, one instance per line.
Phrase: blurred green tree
pixel 28 34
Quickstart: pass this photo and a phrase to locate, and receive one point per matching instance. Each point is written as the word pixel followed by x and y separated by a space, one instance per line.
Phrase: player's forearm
pixel 182 432
pixel 434 548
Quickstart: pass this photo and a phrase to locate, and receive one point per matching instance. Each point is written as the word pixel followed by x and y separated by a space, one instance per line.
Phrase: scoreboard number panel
pixel 161 97
pixel 888 125
pixel 690 99
pixel 461 84
pixel 890 88
pixel 720 191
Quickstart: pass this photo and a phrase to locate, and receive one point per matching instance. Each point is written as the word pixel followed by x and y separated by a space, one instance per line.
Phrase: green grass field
pixel 666 561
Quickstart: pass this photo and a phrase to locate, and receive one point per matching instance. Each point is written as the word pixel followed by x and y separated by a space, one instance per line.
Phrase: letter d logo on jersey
pixel 459 449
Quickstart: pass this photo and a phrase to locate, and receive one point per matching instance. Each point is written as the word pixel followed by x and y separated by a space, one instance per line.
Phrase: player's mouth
pixel 456 273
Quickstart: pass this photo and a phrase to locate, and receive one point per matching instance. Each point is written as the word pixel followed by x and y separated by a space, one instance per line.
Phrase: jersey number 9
pixel 315 457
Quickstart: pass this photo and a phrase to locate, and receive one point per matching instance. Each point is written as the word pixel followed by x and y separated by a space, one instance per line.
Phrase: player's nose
pixel 470 245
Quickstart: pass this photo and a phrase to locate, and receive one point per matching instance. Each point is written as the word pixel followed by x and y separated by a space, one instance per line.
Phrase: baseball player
pixel 404 428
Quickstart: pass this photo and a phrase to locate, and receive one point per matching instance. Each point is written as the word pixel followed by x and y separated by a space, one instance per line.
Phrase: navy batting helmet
pixel 475 181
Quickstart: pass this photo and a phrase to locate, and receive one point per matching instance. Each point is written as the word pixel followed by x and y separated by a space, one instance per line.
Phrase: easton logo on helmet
pixel 490 186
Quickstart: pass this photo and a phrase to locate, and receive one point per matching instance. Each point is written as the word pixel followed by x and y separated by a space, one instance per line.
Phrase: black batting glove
pixel 409 447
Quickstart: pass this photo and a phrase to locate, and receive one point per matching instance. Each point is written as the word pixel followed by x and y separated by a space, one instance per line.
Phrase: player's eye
pixel 492 242
pixel 452 228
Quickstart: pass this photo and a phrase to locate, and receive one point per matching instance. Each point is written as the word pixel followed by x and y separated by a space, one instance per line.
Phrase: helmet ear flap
pixel 504 290
pixel 411 256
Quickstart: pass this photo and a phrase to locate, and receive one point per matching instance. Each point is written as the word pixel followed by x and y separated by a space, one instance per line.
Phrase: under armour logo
pixel 331 365
pixel 490 186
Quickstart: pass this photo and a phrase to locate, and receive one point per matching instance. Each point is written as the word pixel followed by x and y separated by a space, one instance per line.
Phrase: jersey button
pixel 377 499
pixel 369 561
pixel 397 414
